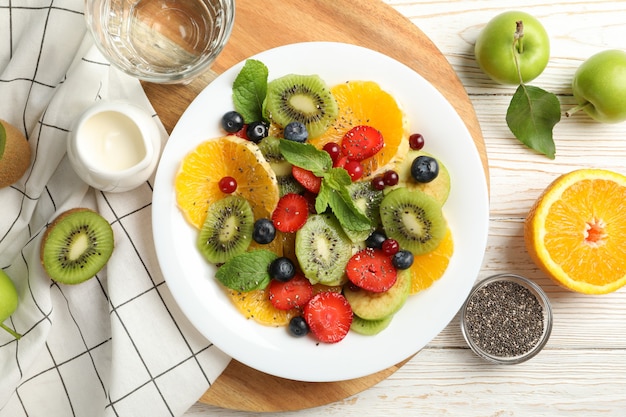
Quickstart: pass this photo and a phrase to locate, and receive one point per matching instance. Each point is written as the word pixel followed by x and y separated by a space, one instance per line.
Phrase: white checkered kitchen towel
pixel 116 345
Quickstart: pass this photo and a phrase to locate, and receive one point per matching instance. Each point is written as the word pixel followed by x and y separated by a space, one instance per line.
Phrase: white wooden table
pixel 582 369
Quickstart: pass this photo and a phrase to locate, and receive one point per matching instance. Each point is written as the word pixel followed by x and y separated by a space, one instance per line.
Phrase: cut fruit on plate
pixel 575 231
pixel 365 103
pixel 197 181
pixel 428 268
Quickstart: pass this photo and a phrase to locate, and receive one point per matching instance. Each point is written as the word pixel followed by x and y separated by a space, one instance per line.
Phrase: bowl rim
pixel 539 294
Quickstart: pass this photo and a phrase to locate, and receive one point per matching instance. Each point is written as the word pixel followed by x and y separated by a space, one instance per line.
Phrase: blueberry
pixel 298 326
pixel 296 132
pixel 403 259
pixel 424 168
pixel 257 131
pixel 376 239
pixel 232 122
pixel 282 269
pixel 264 231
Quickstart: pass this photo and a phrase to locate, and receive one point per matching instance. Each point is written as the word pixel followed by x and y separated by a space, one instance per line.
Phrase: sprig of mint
pixel 333 192
pixel 532 112
pixel 250 89
pixel 247 271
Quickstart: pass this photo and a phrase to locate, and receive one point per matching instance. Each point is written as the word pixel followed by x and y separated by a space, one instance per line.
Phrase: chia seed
pixel 504 319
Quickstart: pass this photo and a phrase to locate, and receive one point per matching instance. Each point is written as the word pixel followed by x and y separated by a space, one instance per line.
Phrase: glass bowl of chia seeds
pixel 506 319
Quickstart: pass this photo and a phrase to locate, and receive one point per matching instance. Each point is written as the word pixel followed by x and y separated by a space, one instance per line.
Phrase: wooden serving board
pixel 263 25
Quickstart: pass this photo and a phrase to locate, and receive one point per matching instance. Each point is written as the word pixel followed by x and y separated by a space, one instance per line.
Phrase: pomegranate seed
pixel 378 182
pixel 390 247
pixel 355 169
pixel 391 178
pixel 416 141
pixel 333 150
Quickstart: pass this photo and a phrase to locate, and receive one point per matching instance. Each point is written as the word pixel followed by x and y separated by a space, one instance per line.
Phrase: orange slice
pixel 428 268
pixel 365 103
pixel 196 182
pixel 576 231
pixel 256 305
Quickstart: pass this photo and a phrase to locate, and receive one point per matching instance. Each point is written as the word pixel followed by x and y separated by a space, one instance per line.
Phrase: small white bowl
pixel 114 146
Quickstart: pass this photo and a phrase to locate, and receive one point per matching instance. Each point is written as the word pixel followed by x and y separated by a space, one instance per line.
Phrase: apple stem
pixel 576 109
pixel 13 332
pixel 519 36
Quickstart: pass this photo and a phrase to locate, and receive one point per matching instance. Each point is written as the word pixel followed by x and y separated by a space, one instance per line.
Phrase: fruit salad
pixel 321 210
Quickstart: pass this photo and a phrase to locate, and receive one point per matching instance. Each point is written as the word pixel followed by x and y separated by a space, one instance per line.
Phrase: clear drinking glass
pixel 161 41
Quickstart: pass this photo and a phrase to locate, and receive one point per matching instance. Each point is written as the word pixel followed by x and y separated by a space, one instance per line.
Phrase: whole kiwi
pixel 15 154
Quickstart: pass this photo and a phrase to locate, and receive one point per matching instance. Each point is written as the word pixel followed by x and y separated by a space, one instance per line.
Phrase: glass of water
pixel 161 41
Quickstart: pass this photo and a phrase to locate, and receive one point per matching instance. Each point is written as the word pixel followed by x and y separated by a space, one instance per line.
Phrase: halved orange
pixel 576 231
pixel 197 181
pixel 428 268
pixel 366 103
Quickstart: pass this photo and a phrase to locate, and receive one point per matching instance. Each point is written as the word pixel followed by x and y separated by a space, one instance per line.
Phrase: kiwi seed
pixel 414 219
pixel 227 229
pixel 76 246
pixel 301 98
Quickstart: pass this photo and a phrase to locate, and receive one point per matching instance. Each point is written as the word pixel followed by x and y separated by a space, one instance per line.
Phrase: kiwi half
pixel 414 219
pixel 76 246
pixel 15 154
pixel 301 98
pixel 323 250
pixel 227 229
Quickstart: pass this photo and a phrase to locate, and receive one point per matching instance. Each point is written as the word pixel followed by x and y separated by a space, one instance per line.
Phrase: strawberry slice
pixel 290 213
pixel 329 316
pixel 294 293
pixel 307 179
pixel 361 142
pixel 372 270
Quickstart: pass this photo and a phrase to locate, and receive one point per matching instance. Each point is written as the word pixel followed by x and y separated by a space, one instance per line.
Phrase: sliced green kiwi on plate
pixel 301 98
pixel 374 306
pixel 323 250
pixel 367 199
pixel 369 327
pixel 439 188
pixel 414 219
pixel 227 229
pixel 76 246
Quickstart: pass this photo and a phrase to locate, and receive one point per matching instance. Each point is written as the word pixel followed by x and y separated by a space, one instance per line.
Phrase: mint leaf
pixel 337 178
pixel 348 214
pixel 247 271
pixel 323 197
pixel 306 156
pixel 3 139
pixel 532 115
pixel 250 89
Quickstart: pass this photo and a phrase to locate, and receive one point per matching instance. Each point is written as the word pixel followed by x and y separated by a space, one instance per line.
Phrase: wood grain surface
pixel 367 23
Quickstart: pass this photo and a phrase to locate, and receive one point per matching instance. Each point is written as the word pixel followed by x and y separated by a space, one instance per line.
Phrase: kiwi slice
pixel 369 327
pixel 76 246
pixel 227 229
pixel 367 199
pixel 301 98
pixel 323 250
pixel 414 219
pixel 270 148
pixel 439 188
pixel 379 305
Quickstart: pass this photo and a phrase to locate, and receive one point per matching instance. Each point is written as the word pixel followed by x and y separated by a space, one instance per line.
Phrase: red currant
pixel 378 182
pixel 333 150
pixel 391 178
pixel 390 247
pixel 416 141
pixel 228 185
pixel 355 169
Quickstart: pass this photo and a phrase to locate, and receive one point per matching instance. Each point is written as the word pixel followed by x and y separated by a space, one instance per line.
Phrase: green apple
pixel 599 86
pixel 8 301
pixel 496 49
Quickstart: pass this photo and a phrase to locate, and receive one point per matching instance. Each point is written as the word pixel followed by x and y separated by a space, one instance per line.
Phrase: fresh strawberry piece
pixel 361 142
pixel 294 293
pixel 242 133
pixel 290 213
pixel 329 316
pixel 372 270
pixel 307 179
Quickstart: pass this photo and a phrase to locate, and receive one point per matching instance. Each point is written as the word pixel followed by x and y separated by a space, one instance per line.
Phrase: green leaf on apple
pixel 531 117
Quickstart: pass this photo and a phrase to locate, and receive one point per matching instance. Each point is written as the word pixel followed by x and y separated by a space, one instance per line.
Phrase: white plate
pixel 272 350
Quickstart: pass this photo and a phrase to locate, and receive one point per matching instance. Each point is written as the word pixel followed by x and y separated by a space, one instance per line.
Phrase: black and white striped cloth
pixel 116 345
